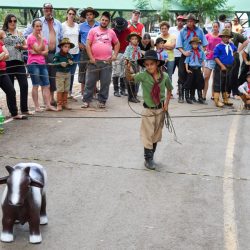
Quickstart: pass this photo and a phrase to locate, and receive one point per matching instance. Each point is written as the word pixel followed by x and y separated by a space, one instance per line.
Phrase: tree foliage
pixel 205 8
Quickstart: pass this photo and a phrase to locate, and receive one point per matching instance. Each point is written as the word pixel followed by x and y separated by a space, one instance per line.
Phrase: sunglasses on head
pixel 12 21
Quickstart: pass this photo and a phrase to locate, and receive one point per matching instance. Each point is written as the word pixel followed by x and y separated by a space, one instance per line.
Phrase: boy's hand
pixel 189 71
pixel 223 68
pixel 70 62
pixel 64 64
pixel 187 53
pixel 165 107
pixel 247 62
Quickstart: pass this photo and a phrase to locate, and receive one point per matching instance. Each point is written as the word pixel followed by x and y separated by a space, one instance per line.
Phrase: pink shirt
pixel 35 58
pixel 212 42
pixel 102 42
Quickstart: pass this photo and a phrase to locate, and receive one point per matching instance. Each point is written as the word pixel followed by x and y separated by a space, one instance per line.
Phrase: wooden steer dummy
pixel 24 200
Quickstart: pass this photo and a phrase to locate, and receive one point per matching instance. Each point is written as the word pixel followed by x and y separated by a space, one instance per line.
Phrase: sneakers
pixel 85 105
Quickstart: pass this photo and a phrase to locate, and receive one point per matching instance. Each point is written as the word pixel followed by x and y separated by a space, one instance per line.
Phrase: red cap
pixel 180 17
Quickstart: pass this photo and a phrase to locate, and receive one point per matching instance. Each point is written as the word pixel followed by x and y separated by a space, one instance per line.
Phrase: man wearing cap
pixel 134 25
pixel 183 44
pixel 90 14
pixel 176 31
pixel 53 33
pixel 120 27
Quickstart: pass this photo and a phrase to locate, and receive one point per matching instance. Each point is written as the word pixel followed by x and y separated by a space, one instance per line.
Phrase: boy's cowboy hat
pixel 248 73
pixel 89 9
pixel 159 40
pixel 226 32
pixel 66 41
pixel 119 23
pixel 133 34
pixel 195 39
pixel 150 55
pixel 191 17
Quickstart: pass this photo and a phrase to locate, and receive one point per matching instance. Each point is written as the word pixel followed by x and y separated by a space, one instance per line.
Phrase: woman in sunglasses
pixel 15 44
pixel 71 31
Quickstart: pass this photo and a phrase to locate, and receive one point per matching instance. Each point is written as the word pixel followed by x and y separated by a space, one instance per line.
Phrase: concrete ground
pixel 100 196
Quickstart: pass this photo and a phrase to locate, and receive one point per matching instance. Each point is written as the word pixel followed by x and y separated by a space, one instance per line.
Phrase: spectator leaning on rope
pixel 15 43
pixel 100 42
pixel 224 58
pixel 185 36
pixel 53 33
pixel 90 14
pixel 63 61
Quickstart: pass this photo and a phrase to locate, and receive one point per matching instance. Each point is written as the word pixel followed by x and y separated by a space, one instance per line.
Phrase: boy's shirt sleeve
pixel 168 82
pixel 165 55
pixel 55 59
pixel 138 77
pixel 203 57
pixel 216 52
pixel 126 53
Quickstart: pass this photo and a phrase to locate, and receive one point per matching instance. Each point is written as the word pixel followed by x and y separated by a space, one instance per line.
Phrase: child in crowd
pixel 131 55
pixel 154 83
pixel 244 91
pixel 63 61
pixel 193 64
pixel 224 58
pixel 161 52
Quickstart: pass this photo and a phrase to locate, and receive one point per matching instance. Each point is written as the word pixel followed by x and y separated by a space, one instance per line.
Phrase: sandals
pixel 28 113
pixel 85 105
pixel 51 108
pixel 20 117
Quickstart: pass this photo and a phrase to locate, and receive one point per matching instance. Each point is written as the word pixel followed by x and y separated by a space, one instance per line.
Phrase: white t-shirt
pixel 176 32
pixel 72 33
pixel 246 33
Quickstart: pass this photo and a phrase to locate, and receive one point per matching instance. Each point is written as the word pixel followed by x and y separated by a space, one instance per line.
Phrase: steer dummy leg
pixel 7 232
pixel 34 223
pixel 43 214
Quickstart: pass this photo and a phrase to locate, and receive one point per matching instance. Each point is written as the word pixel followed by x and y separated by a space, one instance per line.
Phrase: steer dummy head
pixel 18 182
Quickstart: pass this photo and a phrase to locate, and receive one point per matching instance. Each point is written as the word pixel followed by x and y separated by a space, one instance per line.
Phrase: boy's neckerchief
pixel 156 91
pixel 228 48
pixel 189 32
pixel 196 53
pixel 159 51
pixel 136 52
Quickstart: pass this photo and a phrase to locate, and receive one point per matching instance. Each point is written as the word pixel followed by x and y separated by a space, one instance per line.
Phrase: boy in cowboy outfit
pixel 224 58
pixel 154 83
pixel 161 52
pixel 244 91
pixel 193 65
pixel 131 55
pixel 63 61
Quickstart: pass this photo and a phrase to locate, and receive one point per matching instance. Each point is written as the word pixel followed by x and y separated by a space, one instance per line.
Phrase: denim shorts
pixel 210 64
pixel 38 74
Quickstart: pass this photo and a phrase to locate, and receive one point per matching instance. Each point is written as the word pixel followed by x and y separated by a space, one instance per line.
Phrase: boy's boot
pixel 225 99
pixel 65 101
pixel 200 99
pixel 59 101
pixel 148 155
pixel 217 100
pixel 181 93
pixel 154 148
pixel 116 87
pixel 187 97
pixel 123 87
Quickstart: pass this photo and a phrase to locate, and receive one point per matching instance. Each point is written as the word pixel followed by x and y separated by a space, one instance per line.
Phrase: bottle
pixel 2 118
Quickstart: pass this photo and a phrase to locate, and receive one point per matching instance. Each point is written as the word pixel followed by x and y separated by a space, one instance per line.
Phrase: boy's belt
pixel 159 106
pixel 194 67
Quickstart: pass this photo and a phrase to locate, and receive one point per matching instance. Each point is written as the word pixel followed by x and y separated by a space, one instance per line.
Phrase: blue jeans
pixel 76 58
pixel 170 68
pixel 100 71
pixel 38 74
